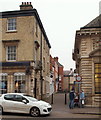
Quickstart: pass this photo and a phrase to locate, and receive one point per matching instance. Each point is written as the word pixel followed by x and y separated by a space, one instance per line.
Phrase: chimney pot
pixel 26 6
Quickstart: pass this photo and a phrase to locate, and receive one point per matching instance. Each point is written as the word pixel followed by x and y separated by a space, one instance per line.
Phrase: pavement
pixel 59 102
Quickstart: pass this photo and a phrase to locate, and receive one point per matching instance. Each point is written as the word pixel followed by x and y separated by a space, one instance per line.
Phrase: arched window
pixel 19 79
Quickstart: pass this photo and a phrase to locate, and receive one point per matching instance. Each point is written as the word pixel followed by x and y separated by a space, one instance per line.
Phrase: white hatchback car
pixel 20 103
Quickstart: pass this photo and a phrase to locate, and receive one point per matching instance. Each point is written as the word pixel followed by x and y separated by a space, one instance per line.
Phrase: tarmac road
pixel 60 110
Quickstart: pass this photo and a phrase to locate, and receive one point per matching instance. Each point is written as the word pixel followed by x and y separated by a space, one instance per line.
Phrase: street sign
pixel 77 82
pixel 78 78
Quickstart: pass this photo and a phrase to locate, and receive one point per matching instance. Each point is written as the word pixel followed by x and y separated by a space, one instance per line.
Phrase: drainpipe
pixel 41 77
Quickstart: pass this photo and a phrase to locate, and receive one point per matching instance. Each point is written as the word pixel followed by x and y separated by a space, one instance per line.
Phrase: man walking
pixel 71 97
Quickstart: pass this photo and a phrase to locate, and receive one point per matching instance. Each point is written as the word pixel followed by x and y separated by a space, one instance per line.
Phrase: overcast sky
pixel 61 19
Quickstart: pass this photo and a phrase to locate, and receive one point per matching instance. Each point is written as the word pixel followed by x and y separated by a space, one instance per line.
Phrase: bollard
pixel 65 98
pixel 52 99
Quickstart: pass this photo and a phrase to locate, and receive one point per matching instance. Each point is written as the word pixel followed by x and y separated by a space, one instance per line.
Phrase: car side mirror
pixel 24 101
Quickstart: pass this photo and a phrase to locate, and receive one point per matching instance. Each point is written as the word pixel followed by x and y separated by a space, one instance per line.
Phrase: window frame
pixel 13 24
pixel 11 54
pixel 19 79
pixel 3 78
pixel 96 79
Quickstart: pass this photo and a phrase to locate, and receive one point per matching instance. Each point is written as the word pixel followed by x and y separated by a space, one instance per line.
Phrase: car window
pixel 18 98
pixel 9 97
pixel 32 99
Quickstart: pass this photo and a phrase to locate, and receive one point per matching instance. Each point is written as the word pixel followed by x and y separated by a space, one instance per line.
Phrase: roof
pixel 95 23
pixel 32 12
pixel 60 64
pixel 68 73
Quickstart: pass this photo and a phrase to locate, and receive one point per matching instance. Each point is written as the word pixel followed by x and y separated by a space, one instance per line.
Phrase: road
pixel 60 110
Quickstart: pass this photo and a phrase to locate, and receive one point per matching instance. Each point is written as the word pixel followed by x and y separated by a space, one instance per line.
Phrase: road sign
pixel 78 78
pixel 77 82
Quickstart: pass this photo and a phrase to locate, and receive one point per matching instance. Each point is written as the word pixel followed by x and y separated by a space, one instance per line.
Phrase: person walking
pixel 82 98
pixel 71 97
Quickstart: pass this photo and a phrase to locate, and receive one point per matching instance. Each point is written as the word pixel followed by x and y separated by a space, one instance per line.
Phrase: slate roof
pixel 95 23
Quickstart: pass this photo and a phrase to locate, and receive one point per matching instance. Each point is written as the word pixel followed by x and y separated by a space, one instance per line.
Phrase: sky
pixel 61 19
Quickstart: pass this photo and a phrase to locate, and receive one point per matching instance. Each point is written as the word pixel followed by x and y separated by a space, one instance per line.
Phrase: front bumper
pixel 46 110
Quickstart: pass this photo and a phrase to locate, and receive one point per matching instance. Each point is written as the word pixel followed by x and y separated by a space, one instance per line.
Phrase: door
pixel 8 103
pixel 20 106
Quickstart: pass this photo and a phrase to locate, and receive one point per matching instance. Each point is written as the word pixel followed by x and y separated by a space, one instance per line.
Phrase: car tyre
pixel 35 112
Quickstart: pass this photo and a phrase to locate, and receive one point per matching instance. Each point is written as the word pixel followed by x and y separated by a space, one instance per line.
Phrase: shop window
pixel 19 83
pixel 3 83
pixel 98 78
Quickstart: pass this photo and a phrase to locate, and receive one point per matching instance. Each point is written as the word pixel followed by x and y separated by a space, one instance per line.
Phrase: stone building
pixel 25 52
pixel 87 56
pixel 68 80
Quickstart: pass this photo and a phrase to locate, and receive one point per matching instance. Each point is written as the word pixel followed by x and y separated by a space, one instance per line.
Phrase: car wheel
pixel 1 110
pixel 35 112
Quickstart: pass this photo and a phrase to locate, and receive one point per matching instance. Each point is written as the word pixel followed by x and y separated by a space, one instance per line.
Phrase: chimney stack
pixel 56 59
pixel 26 6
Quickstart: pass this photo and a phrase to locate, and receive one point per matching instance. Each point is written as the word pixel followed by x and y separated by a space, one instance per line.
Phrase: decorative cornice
pixel 92 54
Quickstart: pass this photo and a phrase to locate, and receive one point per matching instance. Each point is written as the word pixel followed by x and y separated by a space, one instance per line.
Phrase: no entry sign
pixel 78 78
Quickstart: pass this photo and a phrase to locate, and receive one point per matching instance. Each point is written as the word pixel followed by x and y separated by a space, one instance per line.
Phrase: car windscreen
pixel 31 98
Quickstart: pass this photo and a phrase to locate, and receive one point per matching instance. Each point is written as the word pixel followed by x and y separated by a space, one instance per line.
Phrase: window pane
pixel 9 97
pixel 18 98
pixel 3 84
pixel 98 78
pixel 19 83
pixel 12 24
pixel 11 53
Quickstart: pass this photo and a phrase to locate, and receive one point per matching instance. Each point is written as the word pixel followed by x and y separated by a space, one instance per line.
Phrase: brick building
pixel 87 55
pixel 56 71
pixel 60 77
pixel 24 52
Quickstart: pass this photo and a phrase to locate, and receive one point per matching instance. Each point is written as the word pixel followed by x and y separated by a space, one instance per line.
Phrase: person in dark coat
pixel 71 97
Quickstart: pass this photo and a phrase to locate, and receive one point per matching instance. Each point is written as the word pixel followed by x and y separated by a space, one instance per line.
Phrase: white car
pixel 20 103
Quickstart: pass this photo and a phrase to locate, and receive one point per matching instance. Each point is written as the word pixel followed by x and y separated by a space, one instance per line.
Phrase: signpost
pixel 78 81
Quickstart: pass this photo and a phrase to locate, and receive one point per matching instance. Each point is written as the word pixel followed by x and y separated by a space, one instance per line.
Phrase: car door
pixel 8 103
pixel 20 106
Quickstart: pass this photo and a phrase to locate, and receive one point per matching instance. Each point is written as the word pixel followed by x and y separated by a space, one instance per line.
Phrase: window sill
pixel 11 31
pixel 10 60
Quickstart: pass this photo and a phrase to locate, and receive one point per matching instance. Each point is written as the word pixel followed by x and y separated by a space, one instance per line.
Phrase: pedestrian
pixel 82 98
pixel 71 97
